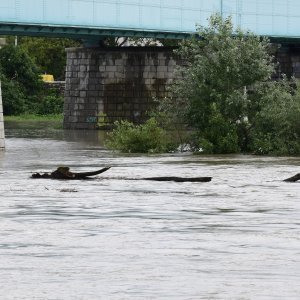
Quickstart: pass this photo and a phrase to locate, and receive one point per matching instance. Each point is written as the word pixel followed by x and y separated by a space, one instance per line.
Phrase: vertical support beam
pixel 2 144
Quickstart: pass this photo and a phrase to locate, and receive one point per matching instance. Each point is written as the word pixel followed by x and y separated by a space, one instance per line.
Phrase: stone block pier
pixel 104 85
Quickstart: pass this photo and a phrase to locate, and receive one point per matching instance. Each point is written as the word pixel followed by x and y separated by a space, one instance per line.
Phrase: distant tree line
pixel 21 67
pixel 48 54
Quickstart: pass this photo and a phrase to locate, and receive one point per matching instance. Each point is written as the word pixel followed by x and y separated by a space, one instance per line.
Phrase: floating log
pixel 293 178
pixel 180 179
pixel 64 173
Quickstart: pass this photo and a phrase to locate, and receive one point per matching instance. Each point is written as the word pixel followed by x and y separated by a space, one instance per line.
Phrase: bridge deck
pixel 147 18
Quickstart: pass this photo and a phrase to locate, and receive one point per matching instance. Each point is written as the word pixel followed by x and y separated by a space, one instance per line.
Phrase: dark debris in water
pixel 68 191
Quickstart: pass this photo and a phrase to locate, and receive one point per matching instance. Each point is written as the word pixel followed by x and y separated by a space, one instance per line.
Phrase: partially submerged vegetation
pixel 226 97
pixel 146 138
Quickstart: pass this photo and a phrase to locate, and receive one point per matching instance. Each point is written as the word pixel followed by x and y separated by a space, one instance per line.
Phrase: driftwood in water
pixel 64 173
pixel 180 179
pixel 293 178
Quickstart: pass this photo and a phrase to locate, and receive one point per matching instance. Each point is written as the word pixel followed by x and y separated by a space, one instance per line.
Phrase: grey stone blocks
pixel 105 85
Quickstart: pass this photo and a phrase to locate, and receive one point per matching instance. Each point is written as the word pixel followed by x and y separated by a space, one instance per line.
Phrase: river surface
pixel 119 237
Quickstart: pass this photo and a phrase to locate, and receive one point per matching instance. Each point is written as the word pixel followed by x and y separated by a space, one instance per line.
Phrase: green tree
pixel 276 129
pixel 14 99
pixel 17 65
pixel 21 83
pixel 48 53
pixel 219 97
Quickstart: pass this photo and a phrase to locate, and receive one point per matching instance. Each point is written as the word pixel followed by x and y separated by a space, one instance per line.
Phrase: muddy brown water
pixel 237 237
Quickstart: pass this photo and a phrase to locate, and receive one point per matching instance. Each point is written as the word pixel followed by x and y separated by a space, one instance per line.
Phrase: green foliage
pixel 16 65
pixel 48 53
pixel 219 136
pixel 222 134
pixel 146 138
pixel 221 67
pixel 277 125
pixel 13 97
pixel 35 118
pixel 20 80
pixel 49 103
pixel 22 87
pixel 201 145
pixel 227 96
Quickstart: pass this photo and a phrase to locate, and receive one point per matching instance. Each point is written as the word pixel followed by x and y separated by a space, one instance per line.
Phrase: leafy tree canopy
pixel 48 53
pixel 222 92
pixel 22 87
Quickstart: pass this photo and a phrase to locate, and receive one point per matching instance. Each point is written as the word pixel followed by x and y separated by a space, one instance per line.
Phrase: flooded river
pixel 118 237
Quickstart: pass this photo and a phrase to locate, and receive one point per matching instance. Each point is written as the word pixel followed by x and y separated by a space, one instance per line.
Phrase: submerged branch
pixel 180 179
pixel 64 173
pixel 293 178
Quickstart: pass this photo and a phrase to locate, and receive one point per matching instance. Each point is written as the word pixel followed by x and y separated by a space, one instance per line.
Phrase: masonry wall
pixel 288 56
pixel 105 85
pixel 55 86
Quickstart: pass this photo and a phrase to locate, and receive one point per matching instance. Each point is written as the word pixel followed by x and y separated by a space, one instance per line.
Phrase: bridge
pixel 104 85
pixel 94 19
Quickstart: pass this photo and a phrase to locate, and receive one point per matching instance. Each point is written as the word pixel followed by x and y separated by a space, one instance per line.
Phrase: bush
pixel 21 83
pixel 277 124
pixel 16 65
pixel 14 99
pixel 146 138
pixel 50 104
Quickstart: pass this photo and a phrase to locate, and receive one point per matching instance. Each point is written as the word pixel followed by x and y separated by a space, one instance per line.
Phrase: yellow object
pixel 47 77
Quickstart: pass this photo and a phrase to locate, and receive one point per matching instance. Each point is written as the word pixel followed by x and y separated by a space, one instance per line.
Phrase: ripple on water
pixel 119 237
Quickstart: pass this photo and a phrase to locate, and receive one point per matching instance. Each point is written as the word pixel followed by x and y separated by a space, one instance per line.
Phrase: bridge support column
pixel 2 142
pixel 104 85
pixel 288 56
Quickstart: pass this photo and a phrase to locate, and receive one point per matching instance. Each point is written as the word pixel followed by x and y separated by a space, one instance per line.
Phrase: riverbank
pixel 53 121
pixel 34 118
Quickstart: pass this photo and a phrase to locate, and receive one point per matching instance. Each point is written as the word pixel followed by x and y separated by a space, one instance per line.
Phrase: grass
pixel 34 121
pixel 34 118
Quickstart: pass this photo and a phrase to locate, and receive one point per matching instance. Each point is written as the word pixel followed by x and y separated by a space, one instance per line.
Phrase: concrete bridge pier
pixel 104 85
pixel 2 137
